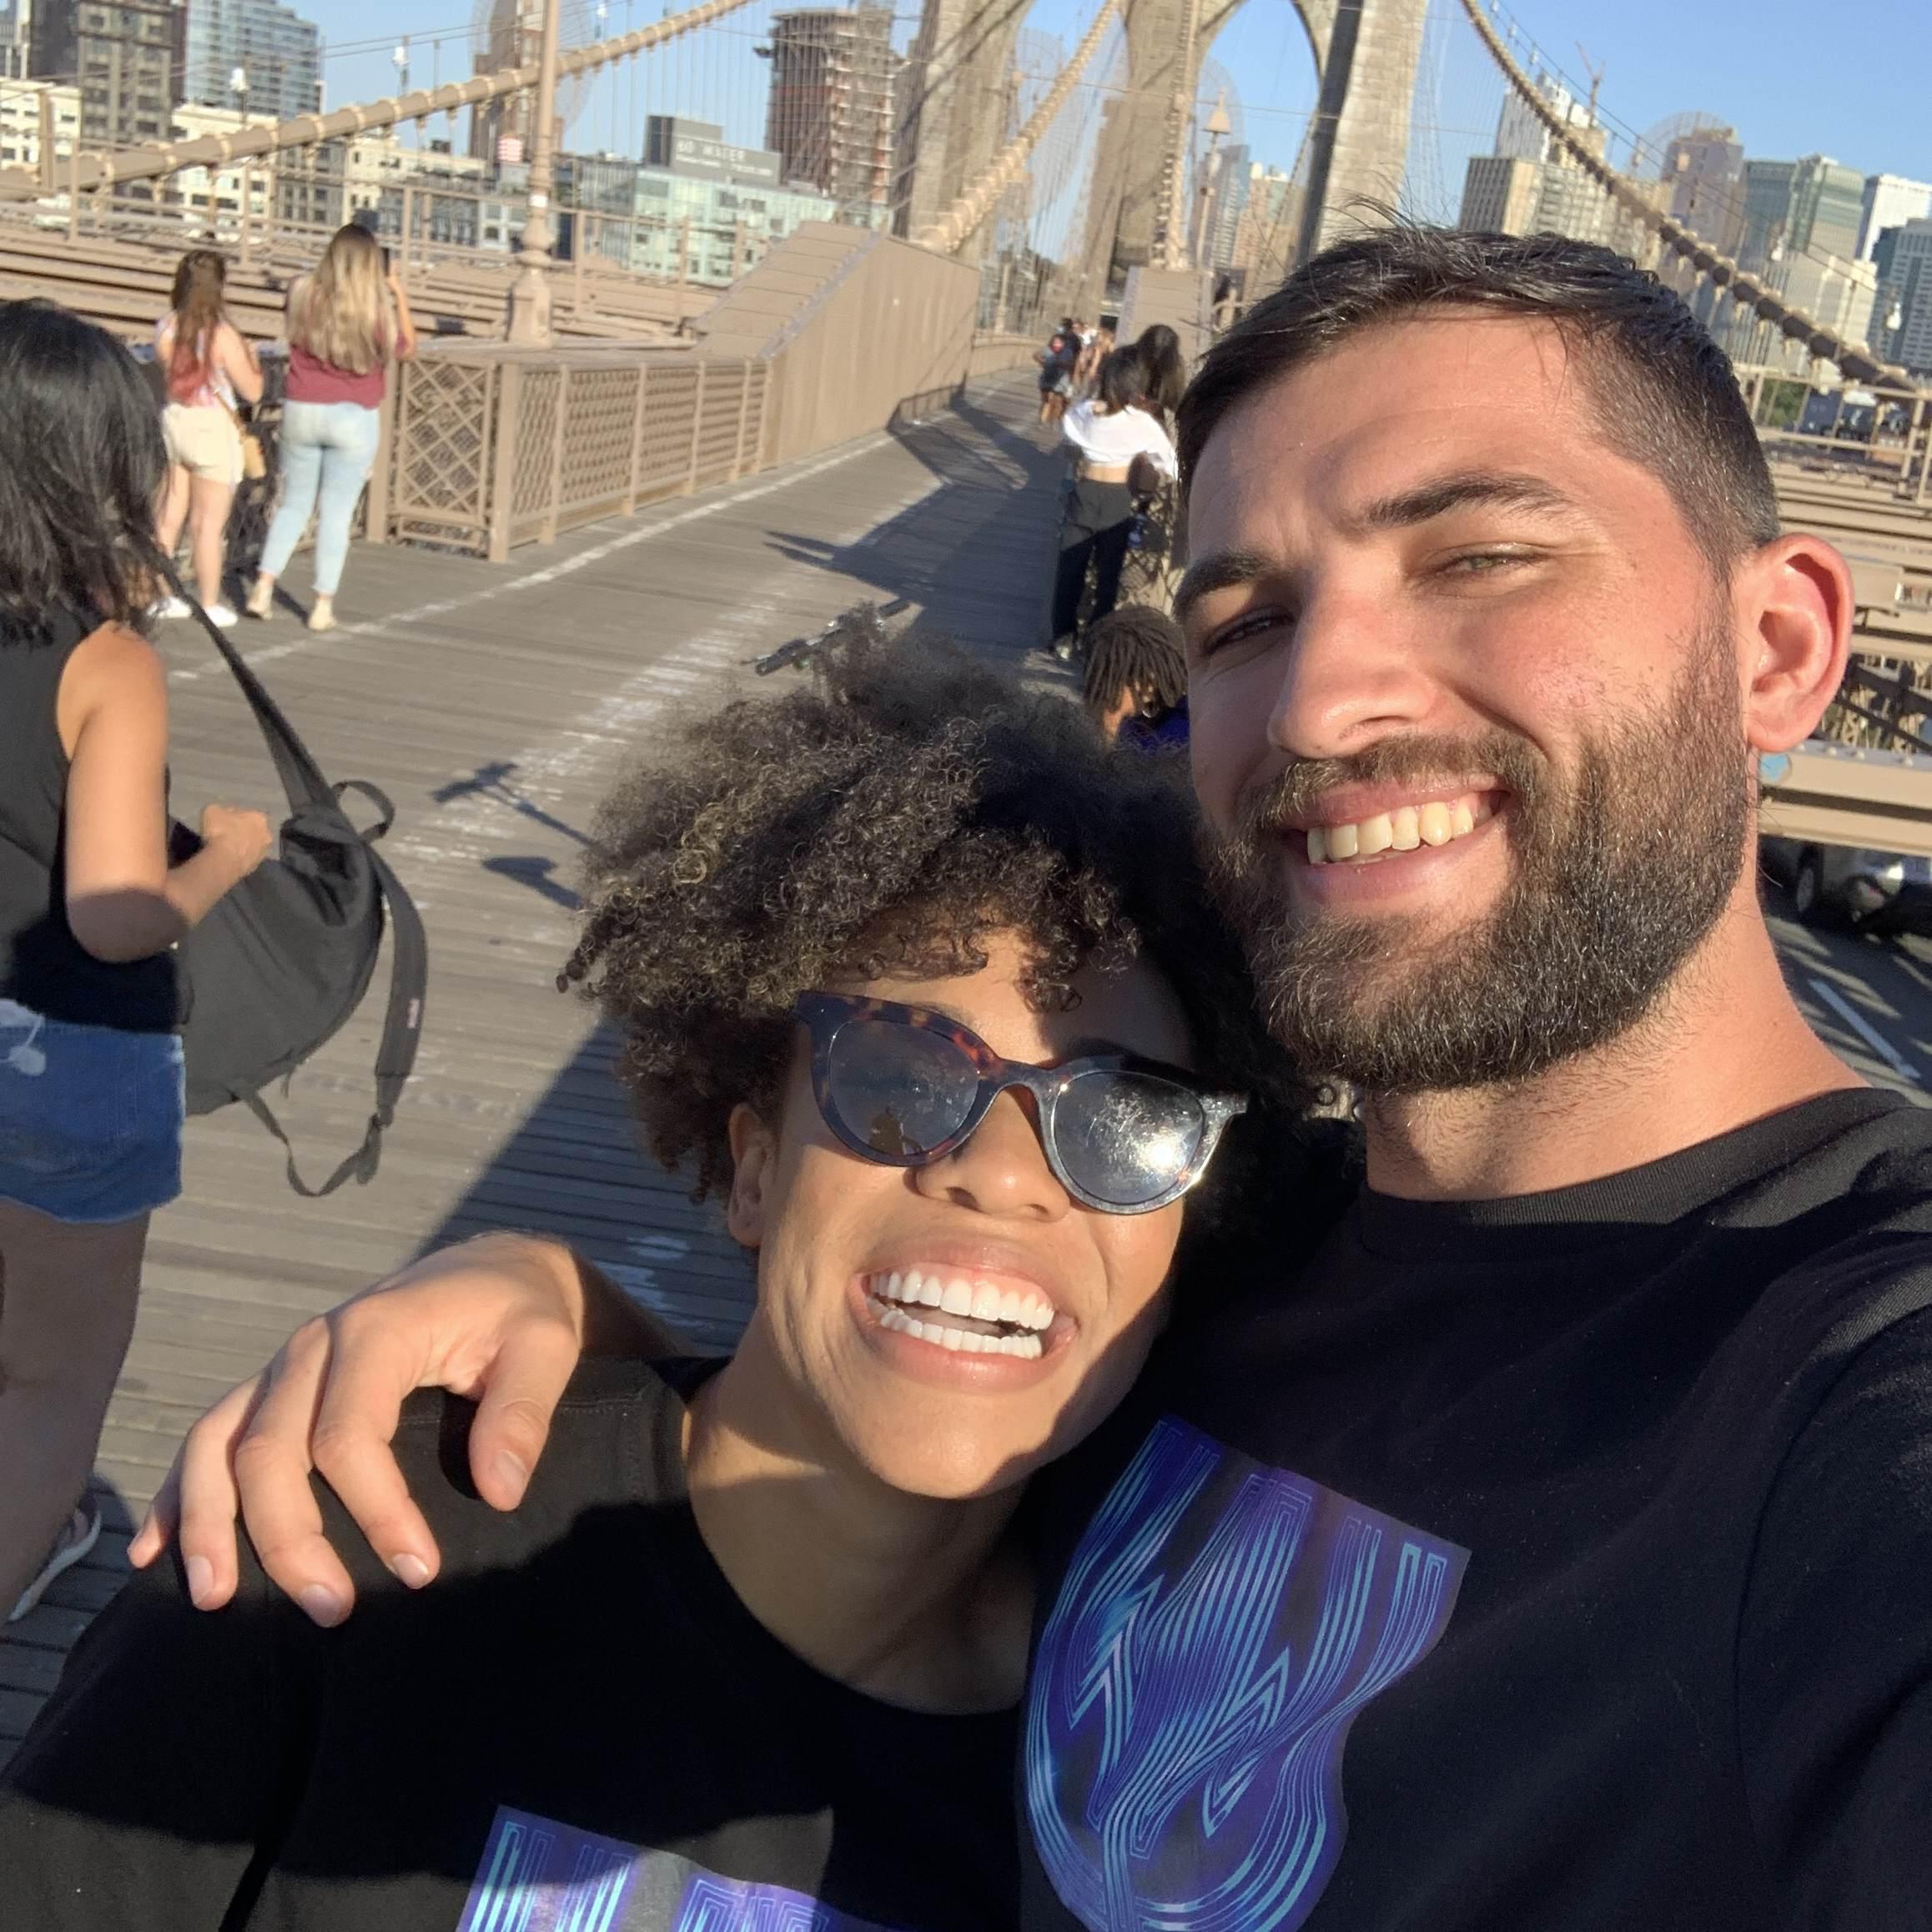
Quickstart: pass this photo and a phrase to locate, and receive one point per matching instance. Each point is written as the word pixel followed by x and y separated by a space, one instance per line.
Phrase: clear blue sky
pixel 1851 78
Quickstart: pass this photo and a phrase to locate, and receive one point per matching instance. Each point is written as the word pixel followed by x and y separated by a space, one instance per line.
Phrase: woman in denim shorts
pixel 90 911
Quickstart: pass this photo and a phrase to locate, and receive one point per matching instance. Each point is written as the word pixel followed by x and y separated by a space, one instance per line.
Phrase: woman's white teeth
pixel 1402 830
pixel 956 1301
pixel 959 1340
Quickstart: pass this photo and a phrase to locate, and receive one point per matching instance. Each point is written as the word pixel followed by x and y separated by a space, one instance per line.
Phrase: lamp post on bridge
pixel 530 293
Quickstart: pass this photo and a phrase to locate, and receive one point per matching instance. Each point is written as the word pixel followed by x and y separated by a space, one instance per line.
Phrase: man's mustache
pixel 1273 807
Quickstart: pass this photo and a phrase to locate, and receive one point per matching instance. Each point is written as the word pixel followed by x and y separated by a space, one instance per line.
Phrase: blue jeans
pixel 328 450
pixel 90 1117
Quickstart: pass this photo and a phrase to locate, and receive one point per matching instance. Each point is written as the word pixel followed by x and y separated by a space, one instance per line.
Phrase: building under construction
pixel 830 112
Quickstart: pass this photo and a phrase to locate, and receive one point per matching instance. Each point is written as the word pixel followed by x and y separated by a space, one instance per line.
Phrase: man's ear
pixel 1795 604
pixel 754 1153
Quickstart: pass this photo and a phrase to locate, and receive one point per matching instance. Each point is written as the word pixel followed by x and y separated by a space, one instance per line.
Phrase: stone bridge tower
pixel 955 94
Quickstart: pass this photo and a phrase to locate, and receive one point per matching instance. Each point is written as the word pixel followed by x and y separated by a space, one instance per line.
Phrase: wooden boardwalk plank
pixel 495 703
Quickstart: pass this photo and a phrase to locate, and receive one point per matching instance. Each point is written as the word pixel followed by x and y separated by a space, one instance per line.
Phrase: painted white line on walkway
pixel 1866 1031
pixel 535 580
pixel 479 820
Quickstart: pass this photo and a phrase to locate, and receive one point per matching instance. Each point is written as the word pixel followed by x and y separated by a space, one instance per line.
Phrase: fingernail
pixel 200 1579
pixel 409 1569
pixel 513 1472
pixel 322 1604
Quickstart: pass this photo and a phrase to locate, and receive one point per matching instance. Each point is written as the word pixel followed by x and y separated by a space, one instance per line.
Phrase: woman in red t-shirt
pixel 346 322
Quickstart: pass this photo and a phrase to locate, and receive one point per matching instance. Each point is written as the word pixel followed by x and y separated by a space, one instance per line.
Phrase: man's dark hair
pixel 1663 393
pixel 81 466
pixel 886 819
pixel 1139 649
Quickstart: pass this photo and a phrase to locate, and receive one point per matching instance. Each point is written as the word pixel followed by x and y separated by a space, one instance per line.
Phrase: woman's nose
pixel 1001 1169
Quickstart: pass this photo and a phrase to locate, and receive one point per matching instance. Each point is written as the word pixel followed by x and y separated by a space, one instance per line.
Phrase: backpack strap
pixel 395 1058
pixel 409 980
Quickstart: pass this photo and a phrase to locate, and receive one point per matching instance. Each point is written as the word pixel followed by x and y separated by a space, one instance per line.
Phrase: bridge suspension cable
pixel 1854 358
pixel 109 169
pixel 952 229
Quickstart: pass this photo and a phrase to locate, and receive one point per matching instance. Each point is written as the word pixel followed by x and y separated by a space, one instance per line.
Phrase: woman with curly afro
pixel 912 971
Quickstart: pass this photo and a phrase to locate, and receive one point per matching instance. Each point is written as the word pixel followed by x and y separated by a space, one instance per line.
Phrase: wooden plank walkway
pixel 495 704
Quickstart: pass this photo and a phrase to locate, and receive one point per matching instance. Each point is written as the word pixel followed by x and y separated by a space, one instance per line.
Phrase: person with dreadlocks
pixel 912 971
pixel 1135 688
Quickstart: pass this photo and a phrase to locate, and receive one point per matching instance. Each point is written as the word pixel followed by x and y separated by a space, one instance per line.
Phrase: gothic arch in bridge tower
pixel 1366 55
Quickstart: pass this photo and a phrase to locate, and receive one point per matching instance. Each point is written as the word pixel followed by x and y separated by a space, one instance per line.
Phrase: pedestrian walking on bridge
pixel 346 322
pixel 91 1095
pixel 211 371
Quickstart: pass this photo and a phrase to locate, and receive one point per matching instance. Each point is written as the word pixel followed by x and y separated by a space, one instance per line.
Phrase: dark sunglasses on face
pixel 904 1087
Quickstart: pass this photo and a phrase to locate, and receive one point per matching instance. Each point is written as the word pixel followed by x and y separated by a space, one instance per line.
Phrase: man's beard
pixel 1621 871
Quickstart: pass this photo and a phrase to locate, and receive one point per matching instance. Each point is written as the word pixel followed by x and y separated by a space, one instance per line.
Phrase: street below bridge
pixel 495 704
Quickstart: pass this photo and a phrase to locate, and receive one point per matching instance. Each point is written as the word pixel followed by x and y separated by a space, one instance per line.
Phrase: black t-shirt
pixel 578 1727
pixel 1558 1563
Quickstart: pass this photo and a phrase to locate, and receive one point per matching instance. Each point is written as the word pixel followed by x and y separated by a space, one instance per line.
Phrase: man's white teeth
pixel 956 1300
pixel 1401 830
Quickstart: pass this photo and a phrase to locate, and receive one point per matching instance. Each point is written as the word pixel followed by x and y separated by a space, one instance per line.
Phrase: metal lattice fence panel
pixel 599 423
pixel 440 473
pixel 671 396
pixel 715 446
pixel 533 479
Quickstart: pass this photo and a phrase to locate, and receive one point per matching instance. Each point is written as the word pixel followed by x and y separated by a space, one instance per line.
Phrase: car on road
pixel 1843 885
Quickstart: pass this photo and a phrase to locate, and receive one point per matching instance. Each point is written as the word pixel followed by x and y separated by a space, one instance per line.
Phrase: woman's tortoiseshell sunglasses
pixel 905 1086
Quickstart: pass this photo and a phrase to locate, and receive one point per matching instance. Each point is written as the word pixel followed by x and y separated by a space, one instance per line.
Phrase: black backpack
pixel 280 963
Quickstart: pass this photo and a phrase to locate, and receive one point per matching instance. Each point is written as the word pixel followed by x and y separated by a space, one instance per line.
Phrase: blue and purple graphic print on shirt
pixel 1221 1625
pixel 537 1875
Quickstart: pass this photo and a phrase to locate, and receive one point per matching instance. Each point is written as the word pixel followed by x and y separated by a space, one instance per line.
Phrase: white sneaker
pixel 223 617
pixel 171 610
pixel 82 1531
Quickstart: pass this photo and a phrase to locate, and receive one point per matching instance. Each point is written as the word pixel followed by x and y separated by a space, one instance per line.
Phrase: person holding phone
pixel 346 322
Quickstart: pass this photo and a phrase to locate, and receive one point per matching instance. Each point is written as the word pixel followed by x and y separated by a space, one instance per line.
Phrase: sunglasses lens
pixel 900 1090
pixel 1127 1139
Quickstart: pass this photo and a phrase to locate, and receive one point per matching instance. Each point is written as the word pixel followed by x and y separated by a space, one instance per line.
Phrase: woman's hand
pixel 502 1319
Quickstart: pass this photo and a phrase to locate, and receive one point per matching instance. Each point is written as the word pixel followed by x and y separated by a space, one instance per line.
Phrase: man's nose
pixel 1352 674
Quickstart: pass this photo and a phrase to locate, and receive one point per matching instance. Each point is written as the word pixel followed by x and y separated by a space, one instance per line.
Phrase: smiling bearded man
pixel 1622 867
pixel 1549 1553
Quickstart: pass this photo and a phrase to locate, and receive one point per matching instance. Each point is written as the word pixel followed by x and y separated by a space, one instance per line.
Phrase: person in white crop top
pixel 1106 434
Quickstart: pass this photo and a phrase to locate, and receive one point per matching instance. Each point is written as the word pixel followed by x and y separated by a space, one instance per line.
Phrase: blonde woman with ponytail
pixel 346 324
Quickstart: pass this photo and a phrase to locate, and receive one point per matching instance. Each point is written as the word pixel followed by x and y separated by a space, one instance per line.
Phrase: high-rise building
pixel 1500 193
pixel 1767 209
pixel 1907 292
pixel 252 55
pixel 1704 170
pixel 1827 207
pixel 126 57
pixel 1837 292
pixel 1890 201
pixel 39 122
pixel 1813 205
pixel 1221 196
pixel 1520 132
pixel 16 38
pixel 501 131
pixel 830 113
pixel 1264 230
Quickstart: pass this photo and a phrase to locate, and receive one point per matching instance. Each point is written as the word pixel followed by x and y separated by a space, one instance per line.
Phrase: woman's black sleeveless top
pixel 42 964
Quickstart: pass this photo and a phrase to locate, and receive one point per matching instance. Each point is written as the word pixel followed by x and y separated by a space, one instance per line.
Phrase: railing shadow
pixel 976 556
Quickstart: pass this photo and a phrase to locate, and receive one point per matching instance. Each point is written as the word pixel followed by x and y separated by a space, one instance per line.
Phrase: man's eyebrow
pixel 1233 569
pixel 1221 570
pixel 1494 489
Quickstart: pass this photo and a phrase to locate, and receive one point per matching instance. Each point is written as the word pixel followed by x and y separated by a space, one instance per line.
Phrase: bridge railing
pixel 492 447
